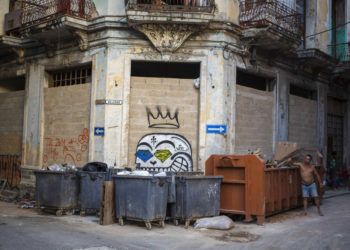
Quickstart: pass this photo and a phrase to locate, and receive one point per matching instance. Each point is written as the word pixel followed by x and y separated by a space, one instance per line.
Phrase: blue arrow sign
pixel 217 129
pixel 99 131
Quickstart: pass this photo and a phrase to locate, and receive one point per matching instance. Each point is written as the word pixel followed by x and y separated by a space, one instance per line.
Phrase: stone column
pixel 282 107
pixel 33 116
pixel 347 133
pixel 322 118
pixel 106 106
pixel 220 103
pixel 33 125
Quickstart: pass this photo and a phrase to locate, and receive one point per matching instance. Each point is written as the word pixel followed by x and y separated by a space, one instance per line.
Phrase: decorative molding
pixel 20 54
pixel 50 48
pixel 82 38
pixel 167 37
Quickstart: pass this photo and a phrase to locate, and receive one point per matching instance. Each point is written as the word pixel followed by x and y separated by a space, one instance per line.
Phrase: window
pixel 303 92
pixel 253 81
pixel 70 77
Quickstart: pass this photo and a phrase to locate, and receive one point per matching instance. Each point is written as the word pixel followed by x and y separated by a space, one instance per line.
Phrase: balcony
pixel 168 23
pixel 175 11
pixel 316 60
pixel 271 23
pixel 51 22
pixel 40 11
pixel 171 5
pixel 342 53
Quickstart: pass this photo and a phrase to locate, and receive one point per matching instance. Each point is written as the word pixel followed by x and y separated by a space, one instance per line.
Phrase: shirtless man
pixel 308 185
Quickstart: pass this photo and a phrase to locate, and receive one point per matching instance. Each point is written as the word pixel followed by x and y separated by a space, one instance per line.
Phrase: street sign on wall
pixel 216 129
pixel 99 131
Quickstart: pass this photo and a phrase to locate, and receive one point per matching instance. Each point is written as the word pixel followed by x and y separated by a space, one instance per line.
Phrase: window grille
pixel 70 77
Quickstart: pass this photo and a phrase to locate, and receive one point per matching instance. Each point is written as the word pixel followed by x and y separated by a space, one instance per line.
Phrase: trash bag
pixel 218 222
pixel 95 167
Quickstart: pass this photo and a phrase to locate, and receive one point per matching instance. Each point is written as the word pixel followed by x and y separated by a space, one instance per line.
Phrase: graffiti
pixel 63 150
pixel 160 120
pixel 164 152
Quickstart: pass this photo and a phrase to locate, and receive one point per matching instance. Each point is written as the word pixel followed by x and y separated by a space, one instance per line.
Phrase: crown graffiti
pixel 162 120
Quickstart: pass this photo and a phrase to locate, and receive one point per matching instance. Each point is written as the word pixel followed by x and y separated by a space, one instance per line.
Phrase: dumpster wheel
pixel 187 223
pixel 59 212
pixel 148 225
pixel 82 212
pixel 121 222
pixel 69 212
pixel 162 224
pixel 176 222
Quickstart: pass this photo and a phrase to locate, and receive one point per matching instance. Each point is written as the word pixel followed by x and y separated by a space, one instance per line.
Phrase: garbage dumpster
pixel 57 191
pixel 196 197
pixel 251 189
pixel 141 198
pixel 90 191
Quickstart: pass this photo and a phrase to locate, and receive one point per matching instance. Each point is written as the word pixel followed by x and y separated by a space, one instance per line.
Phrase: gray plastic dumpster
pixel 141 198
pixel 196 197
pixel 57 191
pixel 90 191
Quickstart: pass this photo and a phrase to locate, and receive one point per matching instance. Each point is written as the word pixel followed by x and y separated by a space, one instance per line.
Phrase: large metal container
pixel 196 197
pixel 251 189
pixel 57 191
pixel 141 198
pixel 90 191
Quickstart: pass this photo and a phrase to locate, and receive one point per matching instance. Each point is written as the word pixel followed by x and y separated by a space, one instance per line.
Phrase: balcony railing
pixel 36 11
pixel 171 5
pixel 264 13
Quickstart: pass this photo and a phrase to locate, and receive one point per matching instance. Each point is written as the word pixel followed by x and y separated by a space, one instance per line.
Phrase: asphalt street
pixel 26 229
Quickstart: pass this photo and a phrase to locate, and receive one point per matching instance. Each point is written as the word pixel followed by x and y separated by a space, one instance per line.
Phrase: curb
pixel 335 195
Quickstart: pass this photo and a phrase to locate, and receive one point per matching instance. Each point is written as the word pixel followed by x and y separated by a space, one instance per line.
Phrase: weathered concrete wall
pixel 227 10
pixel 110 7
pixel 254 124
pixel 172 94
pixel 11 122
pixel 303 121
pixel 318 19
pixel 33 116
pixel 4 8
pixel 67 118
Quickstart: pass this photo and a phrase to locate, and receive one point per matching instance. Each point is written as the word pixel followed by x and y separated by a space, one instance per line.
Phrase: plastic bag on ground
pixel 219 222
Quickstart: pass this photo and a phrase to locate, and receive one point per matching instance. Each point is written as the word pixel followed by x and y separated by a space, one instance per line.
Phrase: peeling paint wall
pixel 323 23
pixel 4 8
pixel 110 7
pixel 11 122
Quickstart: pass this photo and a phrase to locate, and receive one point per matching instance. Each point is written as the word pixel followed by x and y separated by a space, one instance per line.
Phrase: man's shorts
pixel 309 190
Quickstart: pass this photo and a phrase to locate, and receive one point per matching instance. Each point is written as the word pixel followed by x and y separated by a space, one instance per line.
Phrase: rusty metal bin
pixel 251 189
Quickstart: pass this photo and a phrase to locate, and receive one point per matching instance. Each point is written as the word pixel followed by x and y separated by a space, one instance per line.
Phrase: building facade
pixel 167 83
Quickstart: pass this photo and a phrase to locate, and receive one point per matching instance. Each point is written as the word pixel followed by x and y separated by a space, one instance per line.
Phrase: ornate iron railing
pixel 171 5
pixel 34 11
pixel 264 13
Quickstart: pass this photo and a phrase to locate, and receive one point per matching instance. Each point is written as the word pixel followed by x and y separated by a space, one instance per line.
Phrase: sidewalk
pixel 335 192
